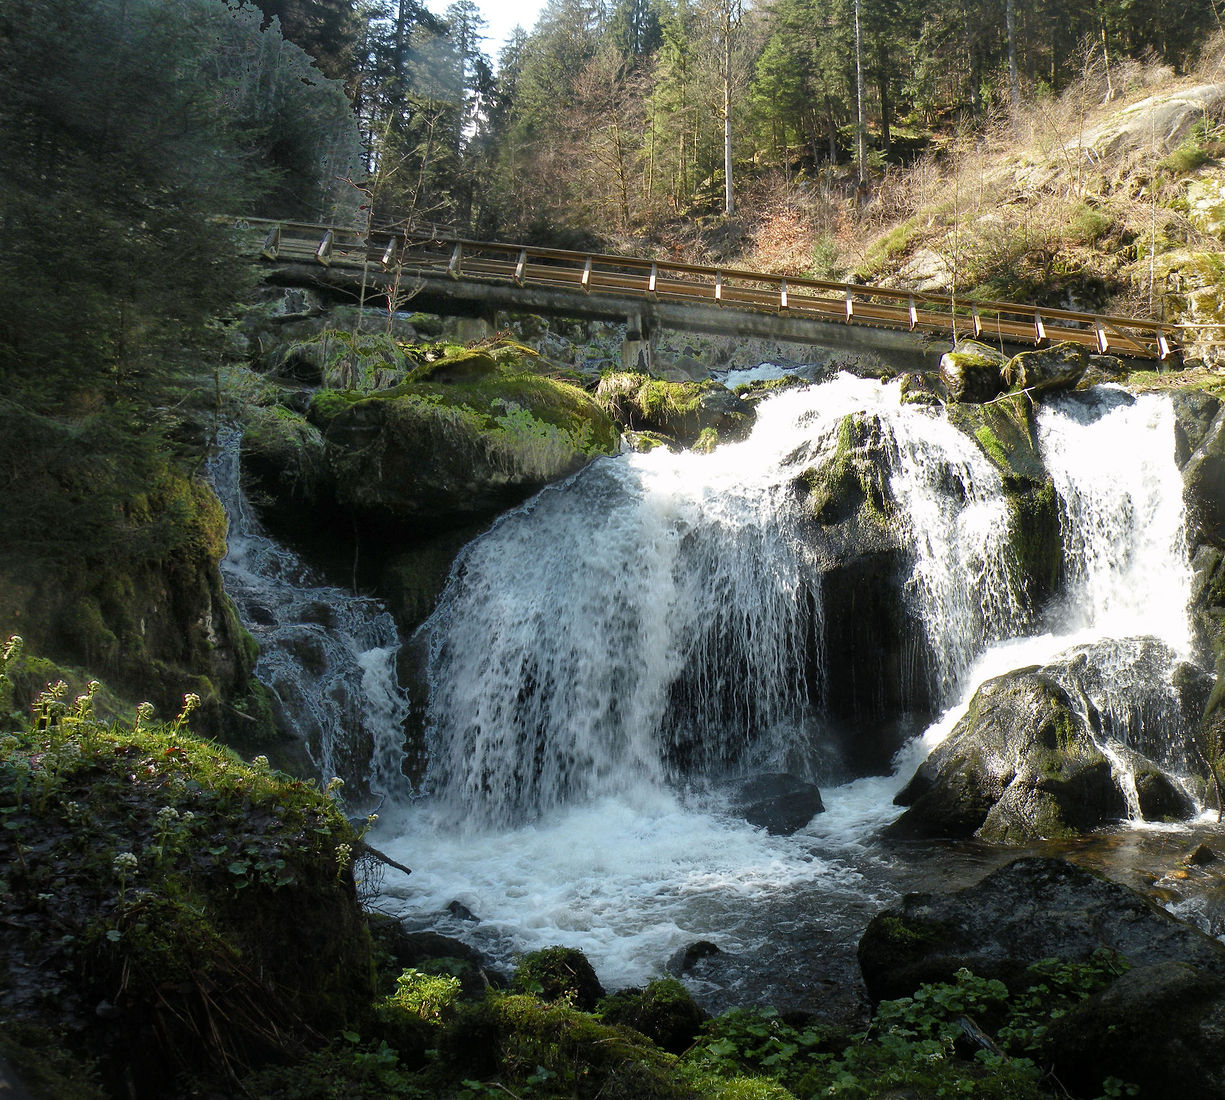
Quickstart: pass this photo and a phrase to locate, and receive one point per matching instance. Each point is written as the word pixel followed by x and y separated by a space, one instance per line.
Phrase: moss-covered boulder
pixel 459 441
pixel 1020 765
pixel 685 412
pixel 142 607
pixel 342 360
pixel 1059 367
pixel 168 908
pixel 972 372
pixel 1159 1027
pixel 283 463
pixel 559 974
pixel 1027 911
pixel 664 1011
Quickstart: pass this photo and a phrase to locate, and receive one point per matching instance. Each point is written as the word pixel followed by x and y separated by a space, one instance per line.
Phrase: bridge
pixel 443 273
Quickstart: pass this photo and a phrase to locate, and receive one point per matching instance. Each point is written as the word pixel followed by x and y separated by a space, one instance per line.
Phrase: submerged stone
pixel 779 803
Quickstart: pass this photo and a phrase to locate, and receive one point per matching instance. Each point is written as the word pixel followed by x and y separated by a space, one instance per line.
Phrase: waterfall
pixel 660 616
pixel 328 656
pixel 1111 457
pixel 1128 576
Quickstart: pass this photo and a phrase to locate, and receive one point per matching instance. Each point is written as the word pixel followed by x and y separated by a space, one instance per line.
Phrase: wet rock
pixel 1059 367
pixel 1139 693
pixel 779 803
pixel 1024 761
pixel 1031 909
pixel 1194 413
pixel 1203 477
pixel 1160 1027
pixel 683 412
pixel 1006 432
pixel 971 372
pixel 686 958
pixel 878 657
pixel 920 388
pixel 460 911
pixel 1019 765
pixel 1201 856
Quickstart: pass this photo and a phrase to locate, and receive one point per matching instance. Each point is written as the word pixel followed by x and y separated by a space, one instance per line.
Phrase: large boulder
pixel 452 446
pixel 1160 1025
pixel 1019 765
pixel 687 413
pixel 972 372
pixel 1029 910
pixel 878 659
pixel 1059 367
pixel 1025 761
pixel 778 802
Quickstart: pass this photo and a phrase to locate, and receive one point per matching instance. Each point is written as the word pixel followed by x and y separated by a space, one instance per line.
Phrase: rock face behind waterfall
pixel 1028 760
pixel 877 658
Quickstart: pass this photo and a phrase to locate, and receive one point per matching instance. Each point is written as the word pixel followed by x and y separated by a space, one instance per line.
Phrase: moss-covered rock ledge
pixel 442 437
pixel 169 910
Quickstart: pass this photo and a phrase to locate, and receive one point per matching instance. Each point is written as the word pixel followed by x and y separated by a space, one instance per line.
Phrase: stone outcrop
pixel 1159 1025
pixel 1019 765
pixel 1029 910
pixel 683 412
pixel 973 372
pixel 1024 761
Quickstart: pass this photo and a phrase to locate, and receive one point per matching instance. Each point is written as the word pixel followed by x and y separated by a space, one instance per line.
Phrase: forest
pixel 637 115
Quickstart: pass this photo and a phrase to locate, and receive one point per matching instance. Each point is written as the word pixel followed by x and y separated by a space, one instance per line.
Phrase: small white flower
pixel 125 863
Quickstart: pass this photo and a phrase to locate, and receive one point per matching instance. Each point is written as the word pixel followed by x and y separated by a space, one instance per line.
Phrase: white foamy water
pixel 558 649
pixel 662 614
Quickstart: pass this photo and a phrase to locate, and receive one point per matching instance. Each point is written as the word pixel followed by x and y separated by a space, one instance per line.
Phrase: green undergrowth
pixel 970 1037
pixel 159 893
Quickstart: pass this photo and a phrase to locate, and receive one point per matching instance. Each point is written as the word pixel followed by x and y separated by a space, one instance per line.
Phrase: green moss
pixel 853 479
pixel 175 868
pixel 559 973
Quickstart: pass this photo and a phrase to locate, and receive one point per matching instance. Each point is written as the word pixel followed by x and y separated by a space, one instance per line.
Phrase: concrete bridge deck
pixel 450 275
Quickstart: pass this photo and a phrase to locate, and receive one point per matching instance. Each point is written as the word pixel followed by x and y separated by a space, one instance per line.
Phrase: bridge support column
pixel 472 330
pixel 636 347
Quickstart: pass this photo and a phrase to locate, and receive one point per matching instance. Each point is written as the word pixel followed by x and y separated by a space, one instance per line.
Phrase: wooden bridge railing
pixel 428 253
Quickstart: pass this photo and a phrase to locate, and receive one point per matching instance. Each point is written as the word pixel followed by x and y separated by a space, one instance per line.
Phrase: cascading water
pixel 662 617
pixel 327 655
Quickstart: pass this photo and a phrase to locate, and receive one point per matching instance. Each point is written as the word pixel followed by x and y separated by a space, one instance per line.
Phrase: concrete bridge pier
pixel 636 352
pixel 472 330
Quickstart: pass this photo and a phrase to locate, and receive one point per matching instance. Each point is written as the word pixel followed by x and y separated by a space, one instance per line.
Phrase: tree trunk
pixel 729 204
pixel 1014 81
pixel 861 151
